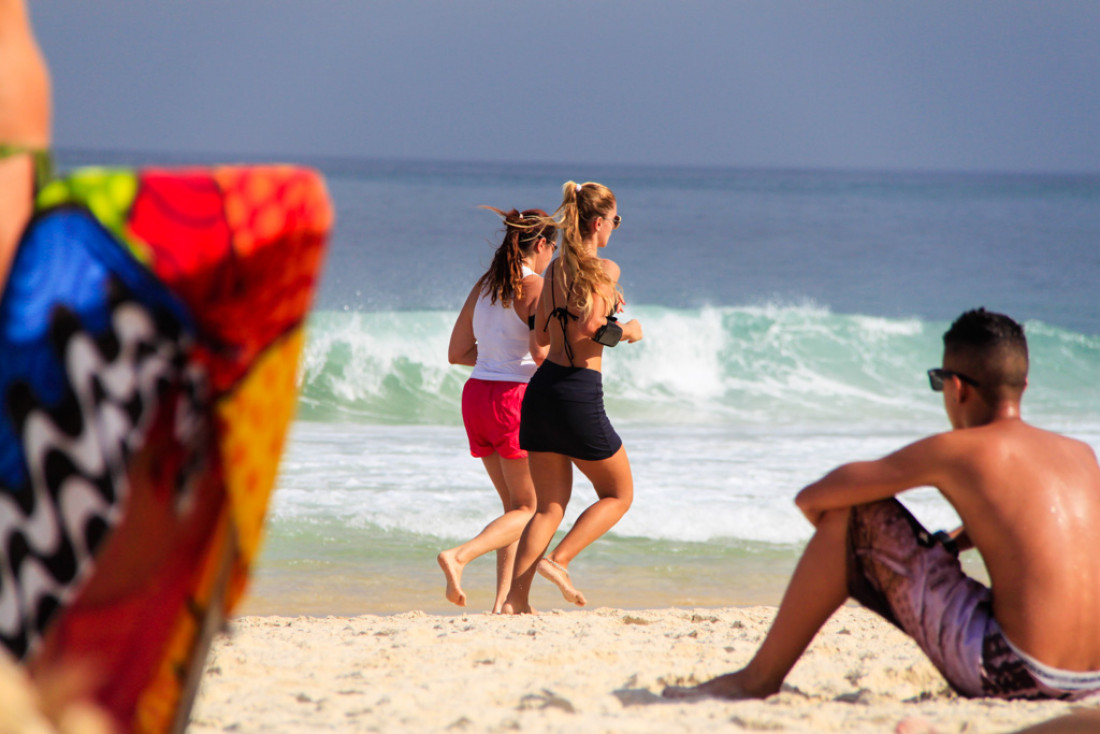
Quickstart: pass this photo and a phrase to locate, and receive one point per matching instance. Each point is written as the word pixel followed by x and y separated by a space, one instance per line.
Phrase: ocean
pixel 789 319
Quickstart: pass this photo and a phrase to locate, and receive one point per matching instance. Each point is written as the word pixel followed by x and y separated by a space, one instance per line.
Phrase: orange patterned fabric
pixel 190 288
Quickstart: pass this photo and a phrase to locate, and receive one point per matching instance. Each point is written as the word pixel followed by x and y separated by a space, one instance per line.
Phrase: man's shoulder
pixel 989 445
pixel 1031 434
pixel 1019 444
pixel 1015 429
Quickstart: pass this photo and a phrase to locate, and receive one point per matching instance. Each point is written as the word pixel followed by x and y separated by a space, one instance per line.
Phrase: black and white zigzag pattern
pixel 77 454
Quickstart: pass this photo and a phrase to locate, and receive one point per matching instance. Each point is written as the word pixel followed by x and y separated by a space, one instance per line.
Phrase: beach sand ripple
pixel 600 670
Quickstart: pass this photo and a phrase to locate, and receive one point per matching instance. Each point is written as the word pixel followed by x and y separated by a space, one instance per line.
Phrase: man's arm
pixel 917 465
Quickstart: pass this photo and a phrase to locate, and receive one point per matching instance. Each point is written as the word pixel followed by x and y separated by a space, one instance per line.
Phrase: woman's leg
pixel 553 478
pixel 519 506
pixel 512 480
pixel 614 485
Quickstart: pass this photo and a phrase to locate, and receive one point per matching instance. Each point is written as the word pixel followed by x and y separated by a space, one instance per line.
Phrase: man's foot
pixel 452 569
pixel 730 687
pixel 560 576
pixel 915 725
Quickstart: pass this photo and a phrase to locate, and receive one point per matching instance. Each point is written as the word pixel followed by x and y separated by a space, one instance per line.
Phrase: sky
pixel 1010 85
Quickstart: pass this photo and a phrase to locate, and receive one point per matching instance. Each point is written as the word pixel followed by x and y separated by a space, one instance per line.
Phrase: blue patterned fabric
pixel 89 341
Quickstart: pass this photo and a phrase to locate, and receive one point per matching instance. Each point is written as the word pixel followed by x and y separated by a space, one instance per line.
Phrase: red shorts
pixel 490 411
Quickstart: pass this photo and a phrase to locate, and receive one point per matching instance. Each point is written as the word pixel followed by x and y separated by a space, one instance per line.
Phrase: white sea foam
pixel 725 413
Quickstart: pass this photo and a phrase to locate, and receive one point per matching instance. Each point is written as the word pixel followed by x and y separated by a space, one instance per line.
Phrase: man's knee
pixel 834 522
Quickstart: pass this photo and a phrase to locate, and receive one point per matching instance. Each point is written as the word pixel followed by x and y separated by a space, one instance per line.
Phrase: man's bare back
pixel 1030 502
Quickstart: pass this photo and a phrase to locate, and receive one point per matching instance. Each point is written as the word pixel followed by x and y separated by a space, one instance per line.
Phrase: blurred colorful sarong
pixel 149 338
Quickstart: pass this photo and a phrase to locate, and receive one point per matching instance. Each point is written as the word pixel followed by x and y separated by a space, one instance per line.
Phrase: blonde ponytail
pixel 582 204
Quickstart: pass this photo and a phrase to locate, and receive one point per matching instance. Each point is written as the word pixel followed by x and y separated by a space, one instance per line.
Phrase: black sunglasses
pixel 616 222
pixel 937 375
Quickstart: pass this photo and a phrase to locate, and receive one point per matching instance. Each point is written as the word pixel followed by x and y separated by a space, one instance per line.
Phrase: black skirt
pixel 563 413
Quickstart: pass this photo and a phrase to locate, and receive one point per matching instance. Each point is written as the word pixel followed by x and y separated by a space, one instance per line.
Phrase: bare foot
pixel 728 686
pixel 452 569
pixel 510 608
pixel 915 725
pixel 560 576
pixel 504 608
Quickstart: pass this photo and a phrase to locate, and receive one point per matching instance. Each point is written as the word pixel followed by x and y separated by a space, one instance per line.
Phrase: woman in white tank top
pixel 494 334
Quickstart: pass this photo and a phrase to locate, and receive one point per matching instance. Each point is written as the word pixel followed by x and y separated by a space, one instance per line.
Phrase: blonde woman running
pixel 563 421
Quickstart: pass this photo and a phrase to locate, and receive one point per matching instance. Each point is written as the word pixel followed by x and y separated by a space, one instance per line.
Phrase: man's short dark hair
pixel 992 349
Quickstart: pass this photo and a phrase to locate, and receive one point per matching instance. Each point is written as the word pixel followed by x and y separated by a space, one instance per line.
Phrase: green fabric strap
pixel 43 161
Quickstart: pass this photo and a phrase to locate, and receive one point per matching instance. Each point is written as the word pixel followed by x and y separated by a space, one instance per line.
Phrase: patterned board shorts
pixel 898 570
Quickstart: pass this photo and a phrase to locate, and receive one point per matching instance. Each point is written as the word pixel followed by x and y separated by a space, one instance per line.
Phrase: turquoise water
pixel 722 426
pixel 789 365
pixel 789 319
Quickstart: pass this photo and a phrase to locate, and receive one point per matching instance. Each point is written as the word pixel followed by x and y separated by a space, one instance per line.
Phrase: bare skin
pixel 512 480
pixel 511 477
pixel 586 352
pixel 25 111
pixel 614 485
pixel 553 473
pixel 1029 500
pixel 1081 721
pixel 559 576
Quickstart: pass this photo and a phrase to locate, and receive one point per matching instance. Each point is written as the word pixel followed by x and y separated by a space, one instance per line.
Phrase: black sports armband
pixel 609 334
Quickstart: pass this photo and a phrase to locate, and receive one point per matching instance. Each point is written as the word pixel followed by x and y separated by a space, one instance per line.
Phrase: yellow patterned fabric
pixel 151 325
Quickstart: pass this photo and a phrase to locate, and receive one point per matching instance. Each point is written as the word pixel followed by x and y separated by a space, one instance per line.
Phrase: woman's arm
pixel 632 330
pixel 463 346
pixel 542 310
pixel 538 338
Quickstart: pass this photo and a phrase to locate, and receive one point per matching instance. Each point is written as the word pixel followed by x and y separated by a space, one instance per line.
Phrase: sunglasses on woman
pixel 616 221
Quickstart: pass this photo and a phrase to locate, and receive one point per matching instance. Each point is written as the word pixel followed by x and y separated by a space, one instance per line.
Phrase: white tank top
pixel 503 350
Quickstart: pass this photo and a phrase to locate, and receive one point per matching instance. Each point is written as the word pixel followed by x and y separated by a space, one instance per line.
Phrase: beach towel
pixel 150 330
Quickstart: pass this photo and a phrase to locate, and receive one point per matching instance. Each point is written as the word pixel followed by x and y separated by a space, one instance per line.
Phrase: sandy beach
pixel 597 670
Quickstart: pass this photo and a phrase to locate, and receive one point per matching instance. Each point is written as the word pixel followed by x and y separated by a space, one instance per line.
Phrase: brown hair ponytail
pixel 503 280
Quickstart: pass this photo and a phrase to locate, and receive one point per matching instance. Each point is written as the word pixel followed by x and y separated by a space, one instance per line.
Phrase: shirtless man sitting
pixel 1029 501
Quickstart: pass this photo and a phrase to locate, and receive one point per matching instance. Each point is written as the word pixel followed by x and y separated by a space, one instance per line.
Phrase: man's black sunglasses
pixel 937 375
